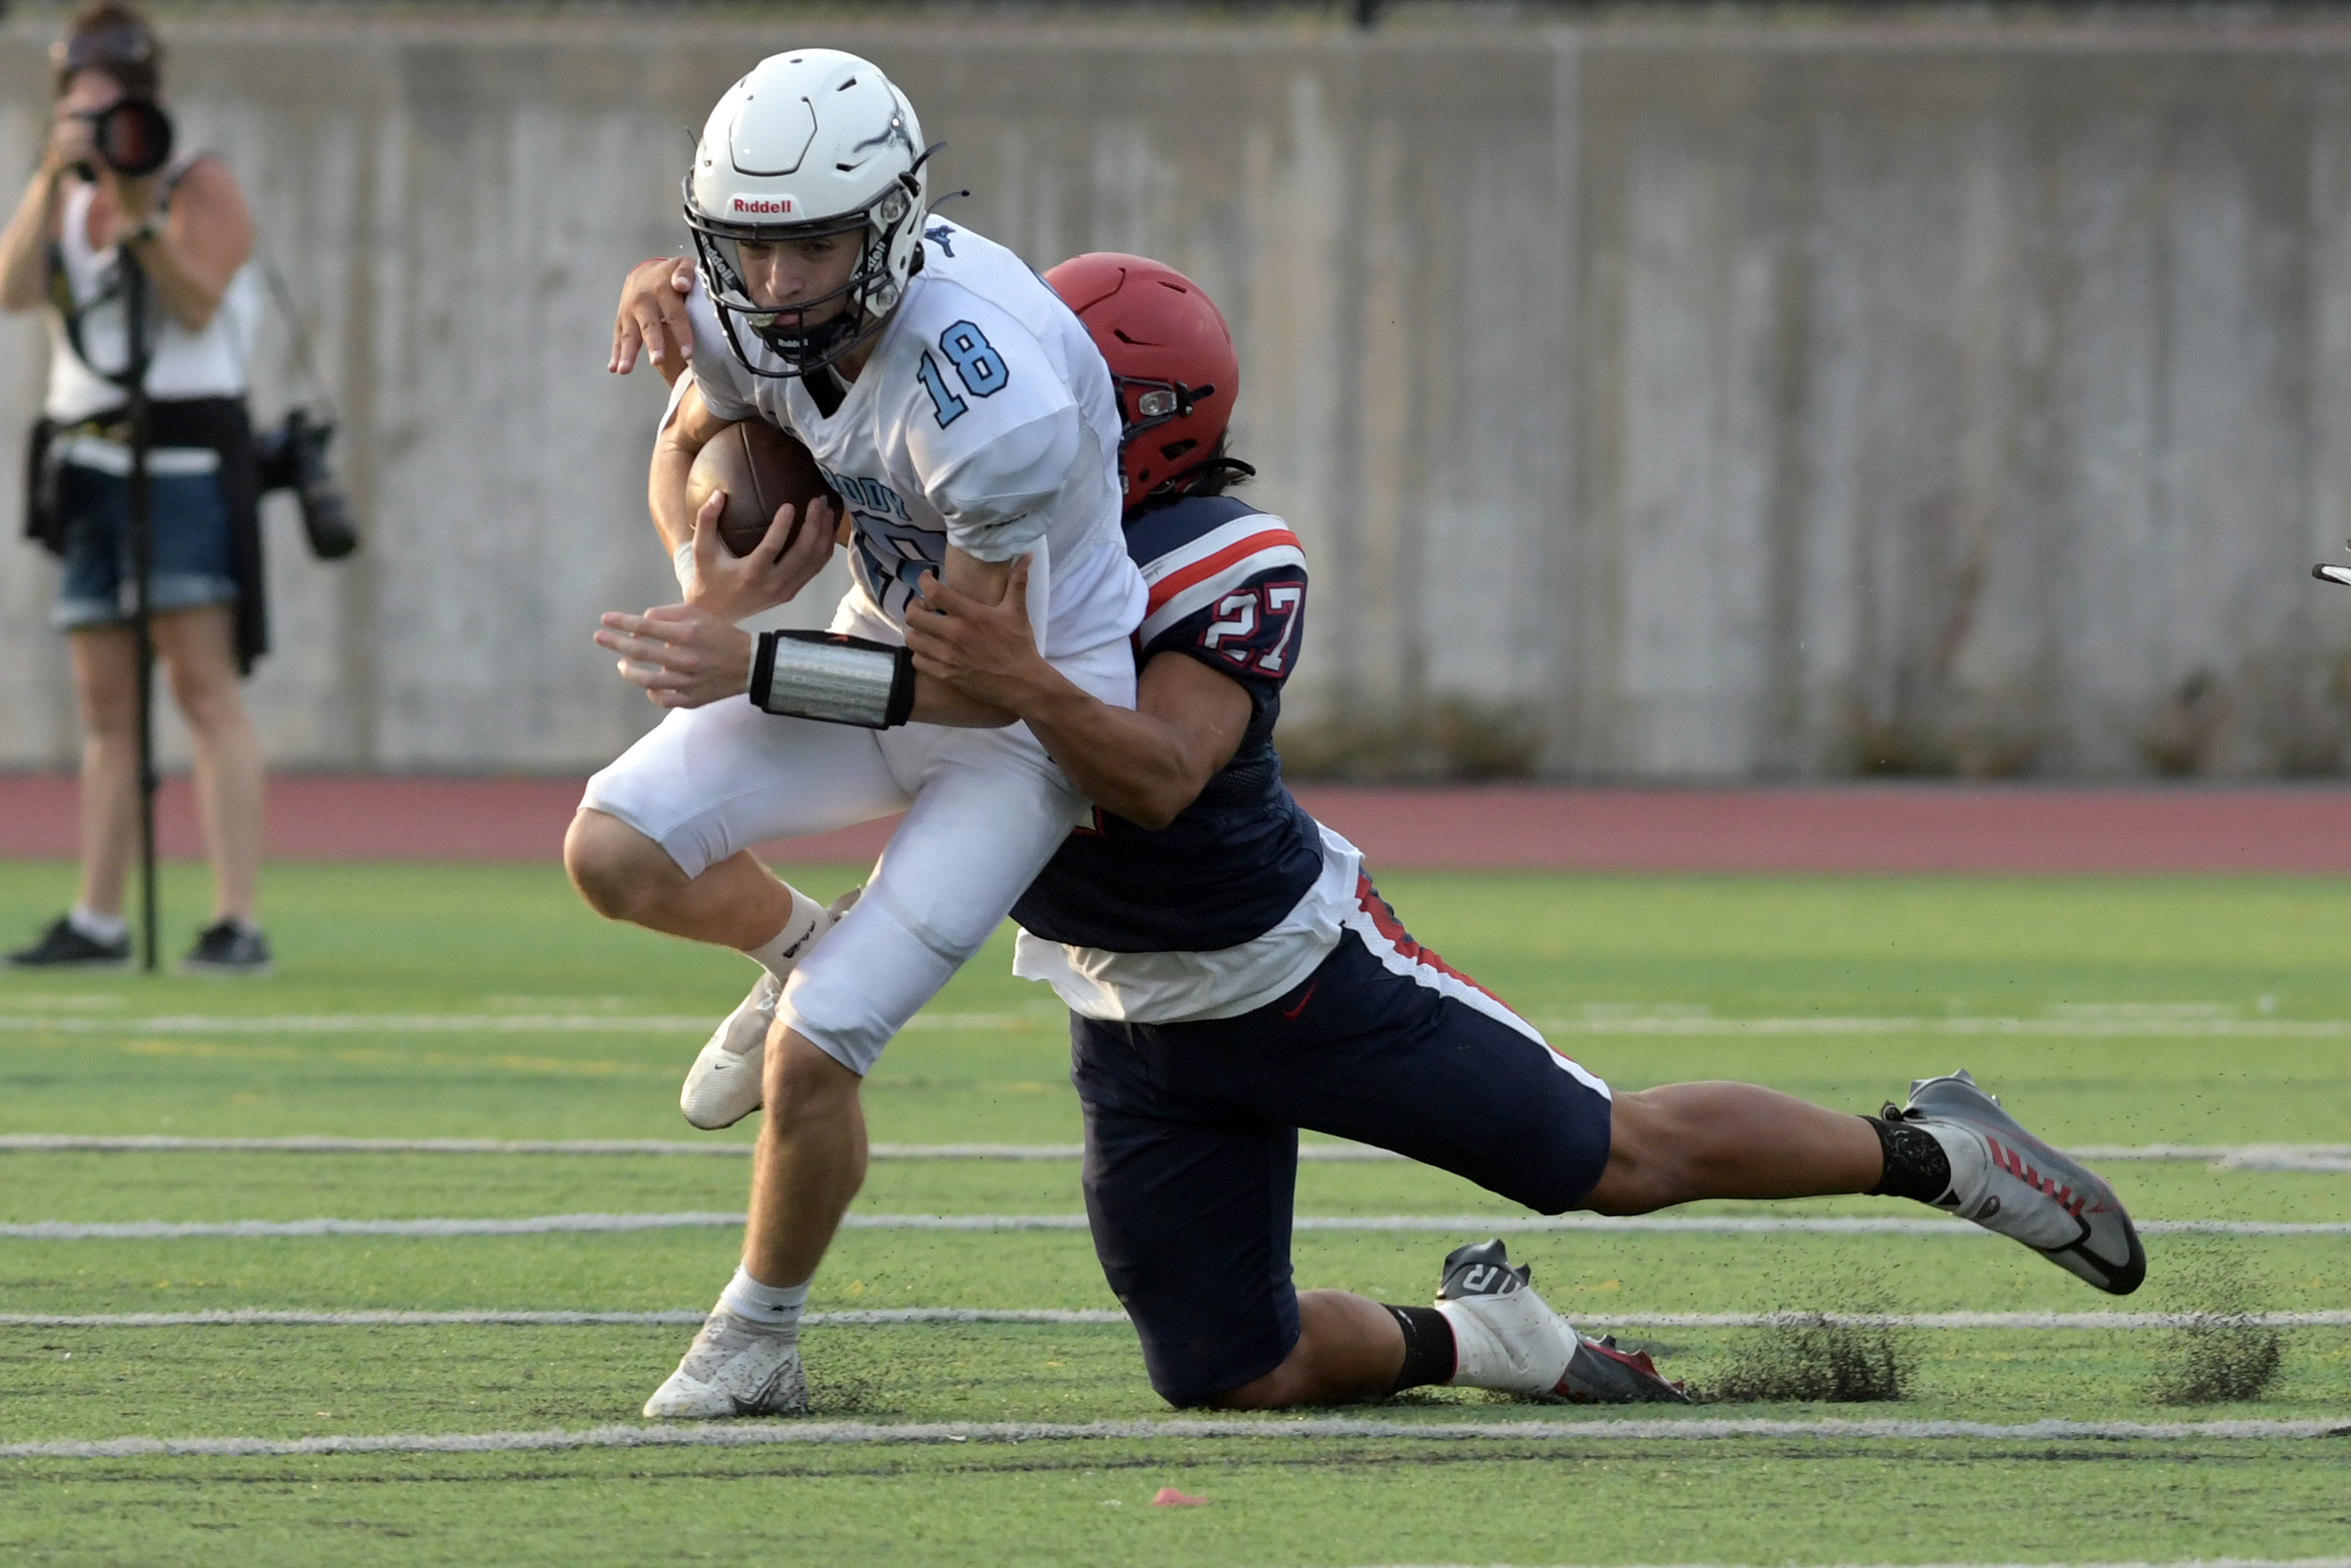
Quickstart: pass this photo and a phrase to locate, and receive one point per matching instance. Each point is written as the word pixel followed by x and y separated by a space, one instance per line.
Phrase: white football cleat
pixel 1508 1338
pixel 733 1369
pixel 2007 1180
pixel 727 1080
pixel 725 1084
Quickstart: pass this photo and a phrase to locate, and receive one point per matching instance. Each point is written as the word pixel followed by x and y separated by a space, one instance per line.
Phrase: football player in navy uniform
pixel 1233 977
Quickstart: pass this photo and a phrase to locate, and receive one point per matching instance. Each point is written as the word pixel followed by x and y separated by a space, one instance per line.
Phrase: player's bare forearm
pixel 1134 765
pixel 937 702
pixel 1147 763
pixel 683 435
pixel 682 656
pixel 984 580
pixel 940 701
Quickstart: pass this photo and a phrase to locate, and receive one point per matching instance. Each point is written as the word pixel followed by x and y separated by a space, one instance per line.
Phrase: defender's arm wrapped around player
pixel 1208 676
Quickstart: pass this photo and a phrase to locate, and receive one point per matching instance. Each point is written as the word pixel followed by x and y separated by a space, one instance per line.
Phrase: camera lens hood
pixel 133 136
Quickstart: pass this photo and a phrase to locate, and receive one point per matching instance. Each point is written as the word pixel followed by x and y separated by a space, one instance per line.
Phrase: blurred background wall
pixel 1655 401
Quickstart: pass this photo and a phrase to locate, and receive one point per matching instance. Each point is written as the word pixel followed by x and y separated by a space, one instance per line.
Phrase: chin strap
pixel 834 678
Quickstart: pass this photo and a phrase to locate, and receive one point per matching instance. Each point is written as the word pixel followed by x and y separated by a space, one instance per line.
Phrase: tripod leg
pixel 143 558
pixel 144 632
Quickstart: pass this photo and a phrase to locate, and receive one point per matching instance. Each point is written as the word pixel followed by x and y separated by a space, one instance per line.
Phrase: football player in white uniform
pixel 964 418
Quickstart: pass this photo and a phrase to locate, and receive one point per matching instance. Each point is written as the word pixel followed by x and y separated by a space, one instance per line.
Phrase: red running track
pixel 1865 828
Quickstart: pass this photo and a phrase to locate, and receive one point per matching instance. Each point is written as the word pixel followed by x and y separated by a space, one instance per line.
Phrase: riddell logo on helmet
pixel 763 204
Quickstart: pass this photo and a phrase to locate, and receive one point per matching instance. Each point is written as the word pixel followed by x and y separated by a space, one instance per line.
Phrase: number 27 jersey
pixel 1228 590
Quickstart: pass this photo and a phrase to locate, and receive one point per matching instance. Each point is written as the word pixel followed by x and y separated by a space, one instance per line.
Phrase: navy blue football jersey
pixel 1228 588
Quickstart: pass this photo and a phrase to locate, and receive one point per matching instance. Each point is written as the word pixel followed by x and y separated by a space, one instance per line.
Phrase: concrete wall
pixel 1652 403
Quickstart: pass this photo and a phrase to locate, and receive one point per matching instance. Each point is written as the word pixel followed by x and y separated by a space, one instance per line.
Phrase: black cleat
pixel 225 947
pixel 64 946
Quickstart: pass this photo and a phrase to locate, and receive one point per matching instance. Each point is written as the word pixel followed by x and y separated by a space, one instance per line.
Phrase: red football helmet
pixel 1171 360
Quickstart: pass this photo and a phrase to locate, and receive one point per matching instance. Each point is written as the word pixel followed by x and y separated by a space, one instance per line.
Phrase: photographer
pixel 108 189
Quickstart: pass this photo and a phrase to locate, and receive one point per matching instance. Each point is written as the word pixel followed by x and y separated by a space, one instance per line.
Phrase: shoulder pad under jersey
pixel 1194 553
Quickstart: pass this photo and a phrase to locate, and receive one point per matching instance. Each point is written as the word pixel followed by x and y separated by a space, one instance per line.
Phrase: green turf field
pixel 482 1002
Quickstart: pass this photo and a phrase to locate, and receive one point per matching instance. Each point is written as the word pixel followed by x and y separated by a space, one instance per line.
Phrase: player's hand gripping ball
pixel 760 468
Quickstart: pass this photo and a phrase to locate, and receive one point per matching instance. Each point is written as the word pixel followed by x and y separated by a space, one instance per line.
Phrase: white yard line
pixel 2238 1157
pixel 451 1023
pixel 2179 1563
pixel 2035 1322
pixel 2093 1025
pixel 553 1223
pixel 72 1143
pixel 886 1316
pixel 256 1317
pixel 1600 1429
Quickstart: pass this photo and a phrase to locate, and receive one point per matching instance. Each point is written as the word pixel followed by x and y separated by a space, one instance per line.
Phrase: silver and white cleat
pixel 2005 1179
pixel 1506 1337
pixel 727 1080
pixel 725 1084
pixel 733 1369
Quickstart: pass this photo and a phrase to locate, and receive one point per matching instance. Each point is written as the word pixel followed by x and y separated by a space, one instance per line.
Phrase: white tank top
pixel 210 363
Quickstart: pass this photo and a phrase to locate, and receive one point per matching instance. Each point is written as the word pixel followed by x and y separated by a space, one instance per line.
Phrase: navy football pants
pixel 1191 1157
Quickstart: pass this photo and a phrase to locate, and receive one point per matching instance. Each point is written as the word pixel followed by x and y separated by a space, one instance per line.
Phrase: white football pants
pixel 985 809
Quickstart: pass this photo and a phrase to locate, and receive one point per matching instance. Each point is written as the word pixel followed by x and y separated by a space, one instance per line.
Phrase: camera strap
pixel 295 328
pixel 71 311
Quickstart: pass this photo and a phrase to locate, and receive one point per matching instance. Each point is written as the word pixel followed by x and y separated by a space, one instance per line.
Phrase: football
pixel 760 468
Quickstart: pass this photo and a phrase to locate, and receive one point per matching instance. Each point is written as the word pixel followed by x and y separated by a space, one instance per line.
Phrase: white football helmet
pixel 810 143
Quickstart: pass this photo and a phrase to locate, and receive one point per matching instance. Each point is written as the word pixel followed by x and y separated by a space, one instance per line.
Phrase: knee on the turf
pixel 617 870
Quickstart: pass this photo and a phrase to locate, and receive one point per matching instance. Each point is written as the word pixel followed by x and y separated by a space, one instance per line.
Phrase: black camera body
pixel 132 135
pixel 293 457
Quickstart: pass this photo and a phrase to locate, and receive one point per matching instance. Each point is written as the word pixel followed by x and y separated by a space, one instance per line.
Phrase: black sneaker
pixel 64 946
pixel 225 947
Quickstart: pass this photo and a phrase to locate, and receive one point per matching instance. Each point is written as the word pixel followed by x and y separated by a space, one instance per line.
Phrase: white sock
pixel 776 1308
pixel 1478 1359
pixel 787 948
pixel 96 927
pixel 1514 1344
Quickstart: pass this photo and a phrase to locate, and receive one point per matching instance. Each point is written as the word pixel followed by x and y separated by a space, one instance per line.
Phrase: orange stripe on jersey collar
pixel 1176 582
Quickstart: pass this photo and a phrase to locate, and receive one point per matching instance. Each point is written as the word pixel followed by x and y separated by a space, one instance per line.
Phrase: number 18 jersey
pixel 984 419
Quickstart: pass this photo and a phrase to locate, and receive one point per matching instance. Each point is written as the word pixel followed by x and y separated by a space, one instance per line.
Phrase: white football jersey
pixel 984 419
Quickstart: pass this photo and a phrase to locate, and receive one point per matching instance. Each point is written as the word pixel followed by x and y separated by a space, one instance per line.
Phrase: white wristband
pixel 681 559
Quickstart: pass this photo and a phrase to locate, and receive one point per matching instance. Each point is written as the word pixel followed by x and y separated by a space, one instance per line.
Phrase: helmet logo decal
pixel 762 204
pixel 893 132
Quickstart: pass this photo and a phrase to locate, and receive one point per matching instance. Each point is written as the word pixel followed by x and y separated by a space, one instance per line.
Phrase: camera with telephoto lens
pixel 294 457
pixel 132 137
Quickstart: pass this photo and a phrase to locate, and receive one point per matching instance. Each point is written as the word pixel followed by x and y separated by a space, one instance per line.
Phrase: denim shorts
pixel 194 561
